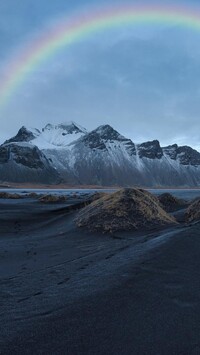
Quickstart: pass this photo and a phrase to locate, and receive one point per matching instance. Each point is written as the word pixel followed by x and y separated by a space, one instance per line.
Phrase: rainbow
pixel 77 28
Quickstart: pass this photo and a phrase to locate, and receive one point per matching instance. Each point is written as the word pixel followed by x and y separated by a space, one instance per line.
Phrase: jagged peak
pixel 24 135
pixel 26 129
pixel 172 146
pixel 152 143
pixel 70 127
pixel 104 127
pixel 150 149
pixel 33 130
pixel 180 148
pixel 108 132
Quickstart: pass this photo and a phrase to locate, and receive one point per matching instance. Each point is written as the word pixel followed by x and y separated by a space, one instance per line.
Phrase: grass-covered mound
pixel 127 209
pixel 52 198
pixel 171 203
pixel 193 212
pixel 8 195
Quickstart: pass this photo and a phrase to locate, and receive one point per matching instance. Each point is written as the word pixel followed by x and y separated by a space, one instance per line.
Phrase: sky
pixel 144 81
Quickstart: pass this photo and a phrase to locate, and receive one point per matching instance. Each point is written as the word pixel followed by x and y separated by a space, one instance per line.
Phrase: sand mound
pixel 170 203
pixel 193 212
pixel 127 209
pixel 9 195
pixel 52 198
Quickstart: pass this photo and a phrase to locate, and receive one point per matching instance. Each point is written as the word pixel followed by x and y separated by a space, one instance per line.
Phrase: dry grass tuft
pixel 193 212
pixel 8 195
pixel 32 195
pixel 127 209
pixel 170 203
pixel 52 198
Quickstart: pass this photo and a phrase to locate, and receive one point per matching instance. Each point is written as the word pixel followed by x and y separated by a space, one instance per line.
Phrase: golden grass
pixel 126 209
pixel 52 198
pixel 193 212
pixel 7 195
pixel 171 203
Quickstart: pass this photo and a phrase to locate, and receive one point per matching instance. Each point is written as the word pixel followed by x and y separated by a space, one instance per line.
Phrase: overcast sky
pixel 144 80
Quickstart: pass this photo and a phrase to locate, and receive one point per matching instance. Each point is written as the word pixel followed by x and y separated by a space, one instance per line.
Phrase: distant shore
pixel 13 185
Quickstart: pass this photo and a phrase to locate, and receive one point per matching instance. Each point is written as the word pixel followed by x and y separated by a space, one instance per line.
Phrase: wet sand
pixel 66 291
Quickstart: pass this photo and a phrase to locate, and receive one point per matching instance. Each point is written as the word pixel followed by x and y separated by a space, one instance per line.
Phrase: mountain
pixel 69 153
pixel 24 162
pixel 51 136
pixel 24 135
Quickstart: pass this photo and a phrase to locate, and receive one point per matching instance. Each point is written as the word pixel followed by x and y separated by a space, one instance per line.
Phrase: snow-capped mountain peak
pixel 107 132
pixel 51 136
pixel 104 137
pixel 100 157
pixel 150 150
pixel 60 135
pixel 24 135
pixel 65 128
pixel 72 126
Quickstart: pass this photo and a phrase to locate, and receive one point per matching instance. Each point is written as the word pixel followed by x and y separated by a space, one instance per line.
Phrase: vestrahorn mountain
pixel 70 154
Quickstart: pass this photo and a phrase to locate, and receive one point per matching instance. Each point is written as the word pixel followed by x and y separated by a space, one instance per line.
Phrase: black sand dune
pixel 64 290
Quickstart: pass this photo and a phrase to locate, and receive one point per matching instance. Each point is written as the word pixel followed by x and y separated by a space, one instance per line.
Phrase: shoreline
pixel 11 185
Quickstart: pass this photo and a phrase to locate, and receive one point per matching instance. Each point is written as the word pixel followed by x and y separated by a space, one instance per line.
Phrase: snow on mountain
pixel 59 135
pixel 24 135
pixel 185 155
pixel 105 157
pixel 51 136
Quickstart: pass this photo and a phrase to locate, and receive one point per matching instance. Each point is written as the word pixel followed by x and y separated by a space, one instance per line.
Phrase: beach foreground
pixel 65 290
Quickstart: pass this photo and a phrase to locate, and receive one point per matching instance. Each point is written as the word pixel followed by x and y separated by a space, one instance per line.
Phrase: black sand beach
pixel 64 290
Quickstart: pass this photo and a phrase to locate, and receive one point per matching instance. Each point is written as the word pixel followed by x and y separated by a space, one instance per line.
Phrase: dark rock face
pixel 22 163
pixel 23 135
pixel 94 141
pixel 98 138
pixel 150 150
pixel 186 155
pixel 4 155
pixel 107 133
pixel 171 151
pixel 127 209
pixel 31 158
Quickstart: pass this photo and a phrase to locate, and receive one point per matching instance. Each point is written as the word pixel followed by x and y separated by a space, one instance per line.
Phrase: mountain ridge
pixel 102 156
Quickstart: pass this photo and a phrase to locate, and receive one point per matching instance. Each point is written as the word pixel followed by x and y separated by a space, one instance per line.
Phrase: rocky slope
pixel 22 162
pixel 101 157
